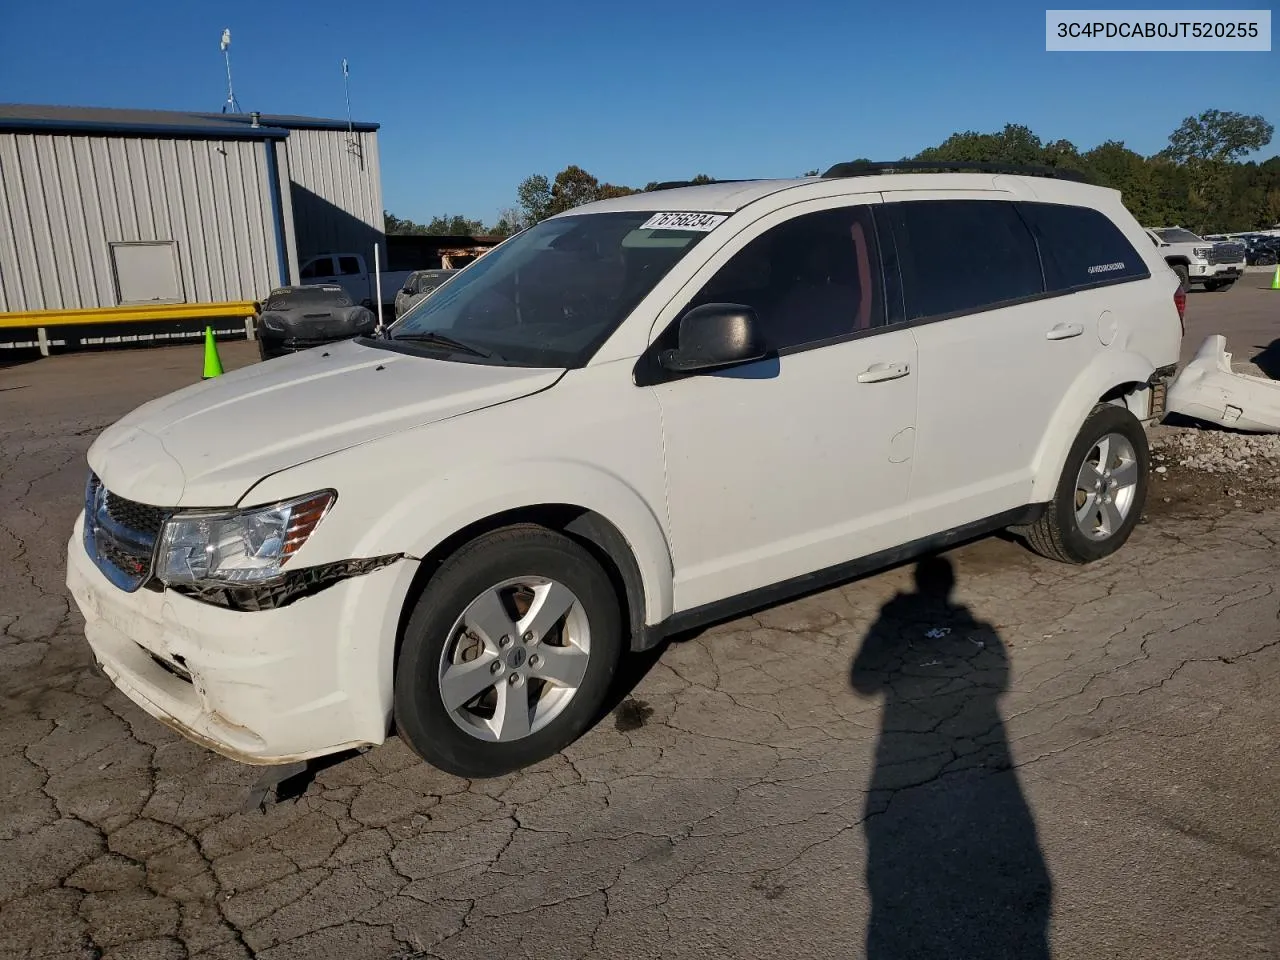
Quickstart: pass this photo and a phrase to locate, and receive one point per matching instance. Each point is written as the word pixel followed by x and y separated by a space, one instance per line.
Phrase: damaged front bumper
pixel 266 686
pixel 1208 389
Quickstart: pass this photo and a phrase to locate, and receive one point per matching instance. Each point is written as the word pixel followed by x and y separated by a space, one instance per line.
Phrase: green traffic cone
pixel 1275 281
pixel 212 363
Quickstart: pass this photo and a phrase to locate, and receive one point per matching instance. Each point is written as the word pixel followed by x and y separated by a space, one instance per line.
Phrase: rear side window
pixel 1081 247
pixel 963 256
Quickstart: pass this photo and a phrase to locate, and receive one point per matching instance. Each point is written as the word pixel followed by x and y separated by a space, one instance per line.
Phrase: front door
pixel 801 461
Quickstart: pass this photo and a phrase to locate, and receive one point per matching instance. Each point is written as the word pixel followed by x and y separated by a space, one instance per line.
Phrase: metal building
pixel 335 187
pixel 118 215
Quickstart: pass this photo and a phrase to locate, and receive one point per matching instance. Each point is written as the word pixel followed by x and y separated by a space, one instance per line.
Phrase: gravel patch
pixel 1216 451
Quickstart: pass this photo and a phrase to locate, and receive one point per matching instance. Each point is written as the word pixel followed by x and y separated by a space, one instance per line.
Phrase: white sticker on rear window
pixel 702 222
pixel 1106 267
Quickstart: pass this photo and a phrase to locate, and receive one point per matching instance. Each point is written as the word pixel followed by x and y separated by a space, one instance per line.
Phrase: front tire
pixel 509 653
pixel 1214 286
pixel 1184 275
pixel 1101 493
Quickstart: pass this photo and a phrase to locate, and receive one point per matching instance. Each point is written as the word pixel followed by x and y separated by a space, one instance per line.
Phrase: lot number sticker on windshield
pixel 702 222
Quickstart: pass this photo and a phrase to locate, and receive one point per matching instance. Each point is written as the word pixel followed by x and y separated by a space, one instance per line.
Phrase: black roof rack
pixel 677 184
pixel 864 168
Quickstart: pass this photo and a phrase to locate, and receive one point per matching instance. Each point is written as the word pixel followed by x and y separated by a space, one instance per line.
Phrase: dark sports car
pixel 298 318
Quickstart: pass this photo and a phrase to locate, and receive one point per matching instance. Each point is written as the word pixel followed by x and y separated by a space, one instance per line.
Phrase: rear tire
pixel 1101 493
pixel 523 629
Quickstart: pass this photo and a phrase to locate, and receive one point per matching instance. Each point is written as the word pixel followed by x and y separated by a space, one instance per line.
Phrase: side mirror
pixel 406 291
pixel 714 336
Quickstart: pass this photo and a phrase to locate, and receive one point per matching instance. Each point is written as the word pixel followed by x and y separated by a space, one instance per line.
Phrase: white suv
pixel 645 414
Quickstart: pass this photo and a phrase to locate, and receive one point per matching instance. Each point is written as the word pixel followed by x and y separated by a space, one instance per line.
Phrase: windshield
pixel 426 282
pixel 1174 235
pixel 308 297
pixel 549 296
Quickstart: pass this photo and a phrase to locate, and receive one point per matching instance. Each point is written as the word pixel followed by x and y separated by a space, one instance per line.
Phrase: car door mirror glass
pixel 715 336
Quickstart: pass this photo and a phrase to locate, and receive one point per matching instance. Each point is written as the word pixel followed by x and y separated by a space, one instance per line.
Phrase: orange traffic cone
pixel 212 362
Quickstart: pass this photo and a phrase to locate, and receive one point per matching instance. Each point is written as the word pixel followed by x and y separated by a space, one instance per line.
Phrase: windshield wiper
pixel 442 340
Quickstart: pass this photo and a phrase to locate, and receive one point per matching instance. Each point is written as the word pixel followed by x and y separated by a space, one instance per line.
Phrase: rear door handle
pixel 1065 331
pixel 879 372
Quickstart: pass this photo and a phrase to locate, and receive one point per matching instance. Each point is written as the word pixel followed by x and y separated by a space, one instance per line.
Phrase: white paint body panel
pixel 222 436
pixel 776 477
pixel 1208 389
pixel 719 484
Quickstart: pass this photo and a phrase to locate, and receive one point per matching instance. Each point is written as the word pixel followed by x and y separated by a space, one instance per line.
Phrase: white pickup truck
pixel 1197 260
pixel 353 274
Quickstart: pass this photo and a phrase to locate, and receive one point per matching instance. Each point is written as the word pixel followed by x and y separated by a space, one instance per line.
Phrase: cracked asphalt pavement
pixel 989 755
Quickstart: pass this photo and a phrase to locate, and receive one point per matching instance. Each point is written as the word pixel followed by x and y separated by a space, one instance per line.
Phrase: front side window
pixel 550 296
pixel 1081 247
pixel 963 256
pixel 814 278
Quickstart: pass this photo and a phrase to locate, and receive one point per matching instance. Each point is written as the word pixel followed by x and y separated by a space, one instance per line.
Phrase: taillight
pixel 1180 301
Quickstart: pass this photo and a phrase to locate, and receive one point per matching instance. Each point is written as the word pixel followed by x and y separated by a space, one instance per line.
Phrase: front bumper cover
pixel 264 687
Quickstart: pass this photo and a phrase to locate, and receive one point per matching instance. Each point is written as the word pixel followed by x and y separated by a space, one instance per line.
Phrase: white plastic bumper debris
pixel 1207 389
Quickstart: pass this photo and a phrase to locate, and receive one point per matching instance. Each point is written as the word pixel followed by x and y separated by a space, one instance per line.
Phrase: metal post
pixel 377 273
pixel 43 337
pixel 248 328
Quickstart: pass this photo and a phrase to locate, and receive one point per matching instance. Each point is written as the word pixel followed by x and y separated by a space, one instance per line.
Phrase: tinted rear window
pixel 962 256
pixel 1081 247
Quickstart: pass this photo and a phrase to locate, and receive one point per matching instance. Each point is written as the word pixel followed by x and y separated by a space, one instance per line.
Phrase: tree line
pixel 1199 180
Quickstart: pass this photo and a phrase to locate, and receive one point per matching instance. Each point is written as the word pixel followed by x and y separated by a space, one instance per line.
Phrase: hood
pixel 207 444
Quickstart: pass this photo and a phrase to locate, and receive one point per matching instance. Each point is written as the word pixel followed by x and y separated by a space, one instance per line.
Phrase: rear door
pixel 996 354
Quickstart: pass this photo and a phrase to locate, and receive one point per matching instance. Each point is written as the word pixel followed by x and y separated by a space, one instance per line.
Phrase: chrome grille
pixel 120 535
pixel 1226 253
pixel 136 516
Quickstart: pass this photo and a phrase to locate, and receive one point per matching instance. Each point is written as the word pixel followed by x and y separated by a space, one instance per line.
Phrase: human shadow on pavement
pixel 1268 359
pixel 954 865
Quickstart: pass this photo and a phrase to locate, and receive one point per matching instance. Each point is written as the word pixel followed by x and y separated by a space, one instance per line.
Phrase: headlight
pixel 246 546
pixel 272 323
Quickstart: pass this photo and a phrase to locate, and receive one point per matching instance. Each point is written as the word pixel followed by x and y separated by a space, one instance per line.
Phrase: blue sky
pixel 473 99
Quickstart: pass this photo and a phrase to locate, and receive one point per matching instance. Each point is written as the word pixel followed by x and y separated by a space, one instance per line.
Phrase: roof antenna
pixel 353 145
pixel 232 102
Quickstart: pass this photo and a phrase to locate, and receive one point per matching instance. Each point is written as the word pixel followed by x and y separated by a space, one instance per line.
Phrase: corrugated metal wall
pixel 336 192
pixel 64 199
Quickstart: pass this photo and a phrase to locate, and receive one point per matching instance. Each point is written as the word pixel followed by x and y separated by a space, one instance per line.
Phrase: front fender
pixel 1104 374
pixel 425 516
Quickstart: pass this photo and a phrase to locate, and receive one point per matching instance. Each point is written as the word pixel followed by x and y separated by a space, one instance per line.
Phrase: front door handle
pixel 879 372
pixel 1065 331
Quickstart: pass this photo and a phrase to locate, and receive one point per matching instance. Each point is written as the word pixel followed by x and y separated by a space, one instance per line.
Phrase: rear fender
pixel 1096 381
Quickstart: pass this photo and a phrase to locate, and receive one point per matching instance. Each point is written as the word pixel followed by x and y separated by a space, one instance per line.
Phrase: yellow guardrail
pixel 133 314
